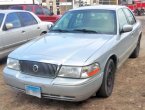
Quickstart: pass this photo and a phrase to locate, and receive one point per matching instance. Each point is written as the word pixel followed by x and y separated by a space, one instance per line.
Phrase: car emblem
pixel 35 68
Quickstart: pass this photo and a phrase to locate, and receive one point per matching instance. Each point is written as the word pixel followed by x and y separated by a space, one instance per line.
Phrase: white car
pixel 18 27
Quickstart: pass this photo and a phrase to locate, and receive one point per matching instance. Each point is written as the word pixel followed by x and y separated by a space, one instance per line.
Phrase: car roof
pixel 106 7
pixel 10 11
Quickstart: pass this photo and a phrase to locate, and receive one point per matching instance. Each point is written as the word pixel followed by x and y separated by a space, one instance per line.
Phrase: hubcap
pixel 110 78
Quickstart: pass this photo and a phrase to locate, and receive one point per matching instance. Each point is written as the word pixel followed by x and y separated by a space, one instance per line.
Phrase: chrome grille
pixel 44 69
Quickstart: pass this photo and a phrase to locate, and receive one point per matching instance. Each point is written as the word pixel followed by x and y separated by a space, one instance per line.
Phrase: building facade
pixel 61 6
pixel 9 2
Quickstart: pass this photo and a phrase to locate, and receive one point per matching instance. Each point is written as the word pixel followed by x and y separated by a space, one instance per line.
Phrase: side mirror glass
pixel 50 26
pixel 127 28
pixel 9 26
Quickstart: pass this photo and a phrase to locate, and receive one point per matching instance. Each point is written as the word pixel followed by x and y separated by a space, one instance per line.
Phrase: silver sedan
pixel 78 57
pixel 18 27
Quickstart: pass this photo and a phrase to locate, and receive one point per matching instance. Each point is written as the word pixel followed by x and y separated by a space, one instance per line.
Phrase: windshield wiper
pixel 85 30
pixel 79 30
pixel 60 30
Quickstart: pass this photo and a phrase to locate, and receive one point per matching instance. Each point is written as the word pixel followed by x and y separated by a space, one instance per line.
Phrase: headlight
pixel 13 64
pixel 90 70
pixel 79 72
pixel 71 72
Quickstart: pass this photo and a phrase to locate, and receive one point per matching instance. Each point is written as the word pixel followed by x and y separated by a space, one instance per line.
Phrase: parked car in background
pixel 42 12
pixel 18 27
pixel 78 57
pixel 138 7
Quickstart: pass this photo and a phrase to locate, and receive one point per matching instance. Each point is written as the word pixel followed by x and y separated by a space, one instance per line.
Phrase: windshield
pixel 1 18
pixel 92 21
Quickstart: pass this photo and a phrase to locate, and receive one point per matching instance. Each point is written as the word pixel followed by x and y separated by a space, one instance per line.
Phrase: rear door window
pixel 14 19
pixel 122 18
pixel 1 18
pixel 46 11
pixel 27 19
pixel 130 16
pixel 38 11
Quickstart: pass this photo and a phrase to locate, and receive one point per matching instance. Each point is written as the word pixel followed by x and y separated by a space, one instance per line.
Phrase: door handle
pixel 23 31
pixel 38 27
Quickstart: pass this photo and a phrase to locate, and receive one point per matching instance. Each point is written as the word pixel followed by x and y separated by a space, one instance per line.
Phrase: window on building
pixel 113 2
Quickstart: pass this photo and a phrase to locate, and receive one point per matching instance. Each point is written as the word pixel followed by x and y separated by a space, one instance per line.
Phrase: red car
pixel 43 13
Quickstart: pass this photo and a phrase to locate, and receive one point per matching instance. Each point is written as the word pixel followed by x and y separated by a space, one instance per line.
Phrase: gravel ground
pixel 128 94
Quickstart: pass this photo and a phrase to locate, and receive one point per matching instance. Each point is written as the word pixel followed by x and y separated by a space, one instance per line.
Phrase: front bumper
pixel 58 88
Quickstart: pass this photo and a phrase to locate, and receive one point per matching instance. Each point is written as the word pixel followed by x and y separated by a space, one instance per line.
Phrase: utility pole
pixel 33 1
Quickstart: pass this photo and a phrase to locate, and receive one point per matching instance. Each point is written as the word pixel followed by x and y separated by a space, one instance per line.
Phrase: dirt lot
pixel 128 94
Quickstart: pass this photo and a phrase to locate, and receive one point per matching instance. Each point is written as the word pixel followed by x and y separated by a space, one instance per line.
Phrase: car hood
pixel 47 22
pixel 62 48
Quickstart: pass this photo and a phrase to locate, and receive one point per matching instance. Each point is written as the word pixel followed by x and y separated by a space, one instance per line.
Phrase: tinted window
pixel 38 11
pixel 46 11
pixel 27 19
pixel 129 16
pixel 14 19
pixel 29 8
pixel 16 7
pixel 1 18
pixel 122 18
pixel 100 21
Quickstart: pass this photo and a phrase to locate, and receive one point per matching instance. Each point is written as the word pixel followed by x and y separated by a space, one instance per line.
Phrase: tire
pixel 136 12
pixel 135 53
pixel 142 12
pixel 108 80
pixel 43 33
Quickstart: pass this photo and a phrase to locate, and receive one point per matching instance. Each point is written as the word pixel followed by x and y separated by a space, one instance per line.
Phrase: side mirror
pixel 127 28
pixel 50 26
pixel 9 26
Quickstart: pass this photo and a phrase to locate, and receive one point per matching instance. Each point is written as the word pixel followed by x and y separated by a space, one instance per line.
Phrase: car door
pixel 13 37
pixel 2 15
pixel 124 39
pixel 32 28
pixel 135 24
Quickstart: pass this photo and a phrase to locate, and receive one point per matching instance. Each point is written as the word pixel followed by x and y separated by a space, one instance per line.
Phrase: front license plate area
pixel 33 90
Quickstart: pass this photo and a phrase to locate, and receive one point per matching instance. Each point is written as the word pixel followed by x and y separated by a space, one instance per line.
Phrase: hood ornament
pixel 35 68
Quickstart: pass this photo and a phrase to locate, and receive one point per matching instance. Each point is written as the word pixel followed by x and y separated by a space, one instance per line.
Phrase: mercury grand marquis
pixel 78 57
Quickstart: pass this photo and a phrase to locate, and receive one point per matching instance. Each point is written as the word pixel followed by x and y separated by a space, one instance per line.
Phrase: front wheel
pixel 108 79
pixel 43 33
